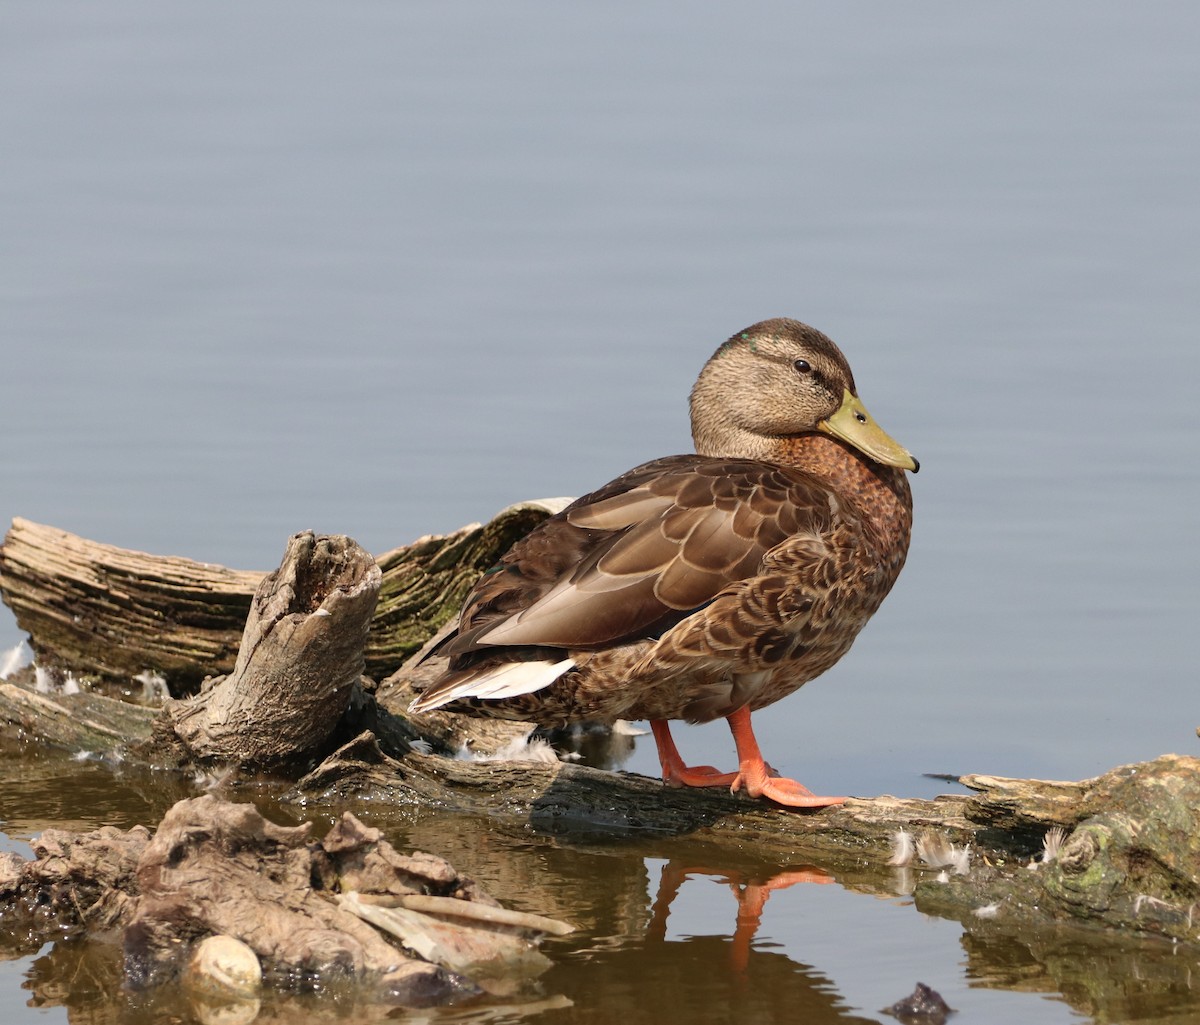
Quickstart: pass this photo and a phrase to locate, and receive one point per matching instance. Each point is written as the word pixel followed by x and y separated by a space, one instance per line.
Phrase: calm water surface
pixel 383 269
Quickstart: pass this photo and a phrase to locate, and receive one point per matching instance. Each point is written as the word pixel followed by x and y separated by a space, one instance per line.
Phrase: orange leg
pixel 755 775
pixel 675 773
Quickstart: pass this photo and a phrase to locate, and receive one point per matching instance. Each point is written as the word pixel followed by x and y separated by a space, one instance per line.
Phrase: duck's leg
pixel 755 775
pixel 675 773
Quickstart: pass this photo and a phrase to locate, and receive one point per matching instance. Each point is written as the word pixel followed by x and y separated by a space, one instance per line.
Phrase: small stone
pixel 224 966
pixel 924 1006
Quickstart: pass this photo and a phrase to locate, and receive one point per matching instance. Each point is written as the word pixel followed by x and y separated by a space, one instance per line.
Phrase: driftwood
pixel 1129 856
pixel 311 913
pixel 100 611
pixel 97 609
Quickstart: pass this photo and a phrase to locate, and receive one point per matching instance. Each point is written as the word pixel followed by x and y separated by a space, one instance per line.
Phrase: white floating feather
pixel 903 848
pixel 1052 843
pixel 525 748
pixel 938 852
pixel 624 728
pixel 154 686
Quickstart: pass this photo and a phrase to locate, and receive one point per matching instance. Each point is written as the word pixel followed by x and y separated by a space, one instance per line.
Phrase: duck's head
pixel 779 379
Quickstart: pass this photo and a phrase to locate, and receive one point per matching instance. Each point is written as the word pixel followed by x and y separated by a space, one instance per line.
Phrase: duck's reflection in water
pixel 750 891
pixel 703 978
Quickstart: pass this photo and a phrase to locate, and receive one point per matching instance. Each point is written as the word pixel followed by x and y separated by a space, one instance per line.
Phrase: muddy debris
pixel 219 896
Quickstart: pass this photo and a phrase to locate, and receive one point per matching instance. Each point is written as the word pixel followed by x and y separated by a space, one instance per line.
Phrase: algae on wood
pixel 424 583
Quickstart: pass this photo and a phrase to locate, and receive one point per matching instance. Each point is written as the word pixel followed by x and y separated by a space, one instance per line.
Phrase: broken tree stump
pixel 301 653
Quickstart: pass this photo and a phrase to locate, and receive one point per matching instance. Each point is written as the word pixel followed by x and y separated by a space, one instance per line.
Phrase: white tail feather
pixel 494 682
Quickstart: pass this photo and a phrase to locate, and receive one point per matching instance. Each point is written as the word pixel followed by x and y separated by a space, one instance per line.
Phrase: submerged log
pixel 98 610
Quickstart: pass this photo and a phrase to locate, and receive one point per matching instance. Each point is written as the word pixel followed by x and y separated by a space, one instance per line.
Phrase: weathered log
pixel 301 653
pixel 108 612
pixel 1129 855
pixel 77 722
pixel 102 610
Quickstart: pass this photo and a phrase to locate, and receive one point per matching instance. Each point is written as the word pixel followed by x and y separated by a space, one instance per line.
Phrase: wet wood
pixel 301 907
pixel 68 722
pixel 102 611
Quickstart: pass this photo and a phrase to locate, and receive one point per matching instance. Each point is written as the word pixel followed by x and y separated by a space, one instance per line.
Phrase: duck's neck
pixel 879 494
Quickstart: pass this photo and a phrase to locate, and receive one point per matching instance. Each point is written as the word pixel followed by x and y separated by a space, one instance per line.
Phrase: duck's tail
pixel 491 682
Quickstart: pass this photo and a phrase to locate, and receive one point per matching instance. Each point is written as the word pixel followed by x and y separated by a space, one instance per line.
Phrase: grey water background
pixel 382 269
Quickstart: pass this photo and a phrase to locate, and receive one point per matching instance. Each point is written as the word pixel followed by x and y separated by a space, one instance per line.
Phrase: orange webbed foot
pixel 697 776
pixel 758 779
pixel 784 791
pixel 675 773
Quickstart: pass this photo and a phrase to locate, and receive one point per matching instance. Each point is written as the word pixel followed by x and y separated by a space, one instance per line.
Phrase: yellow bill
pixel 854 425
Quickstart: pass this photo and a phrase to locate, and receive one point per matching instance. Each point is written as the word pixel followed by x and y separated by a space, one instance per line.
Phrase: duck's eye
pixel 802 366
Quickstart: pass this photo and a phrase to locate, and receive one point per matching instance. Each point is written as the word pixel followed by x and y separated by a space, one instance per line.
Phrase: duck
pixel 701 586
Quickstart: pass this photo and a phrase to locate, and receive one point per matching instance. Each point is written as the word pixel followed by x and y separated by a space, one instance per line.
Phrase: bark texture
pixel 111 612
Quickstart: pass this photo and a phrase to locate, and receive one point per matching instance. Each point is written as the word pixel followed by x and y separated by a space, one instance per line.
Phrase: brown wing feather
pixel 639 554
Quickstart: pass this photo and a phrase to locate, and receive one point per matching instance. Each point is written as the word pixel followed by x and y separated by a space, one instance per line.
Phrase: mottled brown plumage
pixel 701 586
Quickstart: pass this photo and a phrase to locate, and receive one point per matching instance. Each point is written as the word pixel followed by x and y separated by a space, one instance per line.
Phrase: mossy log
pixel 96 610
